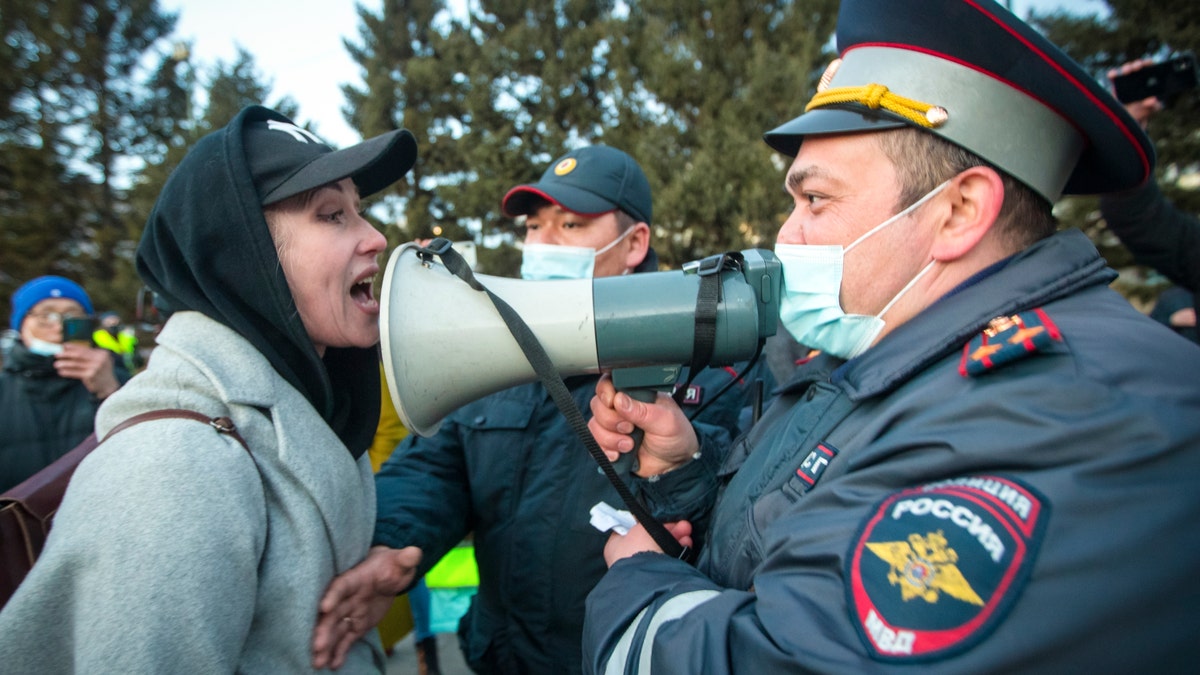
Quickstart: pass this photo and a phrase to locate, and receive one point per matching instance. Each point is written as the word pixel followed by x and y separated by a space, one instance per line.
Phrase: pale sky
pixel 298 47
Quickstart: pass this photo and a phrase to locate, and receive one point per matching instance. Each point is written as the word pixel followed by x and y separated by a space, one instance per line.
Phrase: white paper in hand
pixel 605 518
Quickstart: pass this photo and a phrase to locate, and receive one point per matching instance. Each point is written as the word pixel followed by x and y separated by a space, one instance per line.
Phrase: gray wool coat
pixel 173 551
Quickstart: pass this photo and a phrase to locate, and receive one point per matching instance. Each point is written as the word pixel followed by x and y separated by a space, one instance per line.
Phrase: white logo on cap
pixel 302 135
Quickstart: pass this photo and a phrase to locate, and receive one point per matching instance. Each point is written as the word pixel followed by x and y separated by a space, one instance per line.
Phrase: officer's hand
pixel 669 442
pixel 639 540
pixel 92 366
pixel 358 599
pixel 1141 111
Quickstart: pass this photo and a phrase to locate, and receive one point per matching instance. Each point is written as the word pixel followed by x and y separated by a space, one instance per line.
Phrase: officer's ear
pixel 973 199
pixel 639 245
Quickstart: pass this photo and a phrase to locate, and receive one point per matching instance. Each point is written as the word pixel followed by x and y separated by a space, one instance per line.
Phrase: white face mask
pixel 540 262
pixel 811 309
pixel 43 348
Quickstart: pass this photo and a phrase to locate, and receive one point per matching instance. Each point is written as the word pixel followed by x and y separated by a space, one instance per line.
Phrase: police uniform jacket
pixel 1019 500
pixel 509 469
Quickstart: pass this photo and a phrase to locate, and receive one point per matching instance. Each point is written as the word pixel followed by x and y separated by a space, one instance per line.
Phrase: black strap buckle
pixel 437 247
pixel 713 264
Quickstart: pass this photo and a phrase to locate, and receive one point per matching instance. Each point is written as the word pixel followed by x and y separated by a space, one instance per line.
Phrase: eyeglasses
pixel 47 318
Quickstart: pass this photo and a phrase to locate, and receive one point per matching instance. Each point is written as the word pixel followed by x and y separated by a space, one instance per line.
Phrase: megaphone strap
pixel 708 299
pixel 552 380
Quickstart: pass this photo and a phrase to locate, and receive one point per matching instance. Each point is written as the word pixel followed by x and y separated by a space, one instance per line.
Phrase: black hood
pixel 207 248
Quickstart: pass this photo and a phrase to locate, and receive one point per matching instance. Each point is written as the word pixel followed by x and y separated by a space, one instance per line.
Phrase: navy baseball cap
pixel 286 160
pixel 972 73
pixel 590 181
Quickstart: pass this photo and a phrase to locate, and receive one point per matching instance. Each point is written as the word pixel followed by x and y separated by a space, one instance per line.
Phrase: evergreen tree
pixel 700 81
pixel 79 112
pixel 496 94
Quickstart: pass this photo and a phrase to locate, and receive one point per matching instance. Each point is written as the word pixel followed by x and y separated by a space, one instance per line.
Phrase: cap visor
pixel 787 137
pixel 518 201
pixel 373 164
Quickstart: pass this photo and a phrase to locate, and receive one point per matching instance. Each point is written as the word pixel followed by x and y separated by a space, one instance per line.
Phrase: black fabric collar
pixel 27 364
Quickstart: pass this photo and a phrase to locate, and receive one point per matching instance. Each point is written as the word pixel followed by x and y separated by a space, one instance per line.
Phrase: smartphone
pixel 1164 80
pixel 79 329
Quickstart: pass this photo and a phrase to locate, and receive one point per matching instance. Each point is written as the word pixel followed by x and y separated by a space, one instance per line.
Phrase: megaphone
pixel 445 344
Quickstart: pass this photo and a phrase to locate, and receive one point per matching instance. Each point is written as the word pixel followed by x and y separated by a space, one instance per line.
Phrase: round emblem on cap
pixel 564 167
pixel 937 116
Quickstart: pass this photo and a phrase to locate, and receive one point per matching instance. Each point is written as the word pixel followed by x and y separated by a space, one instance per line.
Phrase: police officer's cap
pixel 972 73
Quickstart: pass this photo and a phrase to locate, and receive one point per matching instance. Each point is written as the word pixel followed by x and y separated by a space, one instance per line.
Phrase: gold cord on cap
pixel 876 96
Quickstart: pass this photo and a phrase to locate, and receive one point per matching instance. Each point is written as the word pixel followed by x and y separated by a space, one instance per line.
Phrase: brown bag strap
pixel 221 424
pixel 42 492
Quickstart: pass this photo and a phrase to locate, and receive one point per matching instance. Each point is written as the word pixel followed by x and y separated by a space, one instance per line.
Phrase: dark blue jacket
pixel 969 495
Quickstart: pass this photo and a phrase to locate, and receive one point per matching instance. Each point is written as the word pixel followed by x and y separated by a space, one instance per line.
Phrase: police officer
pixel 118 339
pixel 994 464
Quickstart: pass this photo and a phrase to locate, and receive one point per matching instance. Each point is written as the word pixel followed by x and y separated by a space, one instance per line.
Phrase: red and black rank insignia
pixel 935 568
pixel 814 464
pixel 1007 339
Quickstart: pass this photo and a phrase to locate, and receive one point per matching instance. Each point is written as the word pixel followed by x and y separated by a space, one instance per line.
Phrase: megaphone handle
pixel 544 367
pixel 645 396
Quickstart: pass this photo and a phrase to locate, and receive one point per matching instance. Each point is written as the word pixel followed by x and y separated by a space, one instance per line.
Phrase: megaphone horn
pixel 444 343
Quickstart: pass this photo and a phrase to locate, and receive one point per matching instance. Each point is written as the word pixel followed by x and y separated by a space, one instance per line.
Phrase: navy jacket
pixel 1017 499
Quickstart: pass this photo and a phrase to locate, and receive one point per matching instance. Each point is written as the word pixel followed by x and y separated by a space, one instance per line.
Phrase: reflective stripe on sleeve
pixel 670 610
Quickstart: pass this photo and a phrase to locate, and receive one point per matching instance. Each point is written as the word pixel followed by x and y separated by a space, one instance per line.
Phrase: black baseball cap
pixel 972 73
pixel 286 160
pixel 590 181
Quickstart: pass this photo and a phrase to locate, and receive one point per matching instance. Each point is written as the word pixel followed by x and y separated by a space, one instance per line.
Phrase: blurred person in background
pixel 1158 233
pixel 49 389
pixel 119 339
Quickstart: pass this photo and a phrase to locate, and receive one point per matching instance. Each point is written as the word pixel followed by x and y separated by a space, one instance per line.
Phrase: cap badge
pixel 564 167
pixel 827 76
pixel 876 96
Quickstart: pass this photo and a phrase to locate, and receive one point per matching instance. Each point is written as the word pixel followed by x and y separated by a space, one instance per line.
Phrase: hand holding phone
pixel 1162 80
pixel 79 329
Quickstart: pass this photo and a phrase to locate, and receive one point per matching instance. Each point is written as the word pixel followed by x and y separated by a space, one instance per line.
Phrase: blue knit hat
pixel 43 288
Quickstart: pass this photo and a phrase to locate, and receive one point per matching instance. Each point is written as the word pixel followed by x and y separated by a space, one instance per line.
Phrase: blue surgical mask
pixel 43 348
pixel 540 262
pixel 811 308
